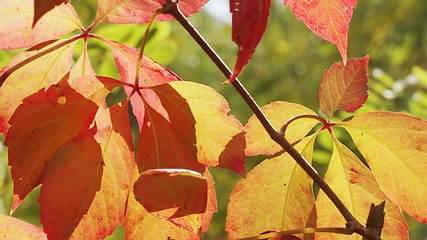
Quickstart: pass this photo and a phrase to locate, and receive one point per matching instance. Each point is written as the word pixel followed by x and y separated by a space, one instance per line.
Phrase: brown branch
pixel 171 7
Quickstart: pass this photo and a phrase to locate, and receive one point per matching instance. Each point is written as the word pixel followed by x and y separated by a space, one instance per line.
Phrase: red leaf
pixel 41 7
pixel 198 115
pixel 32 77
pixel 13 228
pixel 248 25
pixel 151 74
pixel 47 120
pixel 136 11
pixel 344 86
pixel 16 30
pixel 329 19
pixel 176 194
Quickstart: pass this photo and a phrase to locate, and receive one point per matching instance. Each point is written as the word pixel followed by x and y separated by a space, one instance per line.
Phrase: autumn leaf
pixel 16 30
pixel 395 147
pixel 173 193
pixel 47 120
pixel 14 228
pixel 151 74
pixel 356 187
pixel 257 139
pixel 32 77
pixel 98 164
pixel 275 196
pixel 249 22
pixel 198 115
pixel 139 223
pixel 344 86
pixel 135 11
pixel 329 19
pixel 41 7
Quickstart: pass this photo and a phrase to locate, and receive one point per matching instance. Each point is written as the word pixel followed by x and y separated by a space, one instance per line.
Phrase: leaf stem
pixel 320 119
pixel 171 7
pixel 17 66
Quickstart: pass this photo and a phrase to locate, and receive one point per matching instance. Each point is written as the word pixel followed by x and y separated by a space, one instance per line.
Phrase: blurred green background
pixel 287 66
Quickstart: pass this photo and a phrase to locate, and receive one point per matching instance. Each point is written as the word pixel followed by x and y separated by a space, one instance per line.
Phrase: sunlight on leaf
pixel 329 19
pixel 355 185
pixel 275 196
pixel 395 147
pixel 135 11
pixel 248 23
pixel 139 223
pixel 42 124
pixel 173 193
pixel 41 7
pixel 344 86
pixel 41 73
pixel 16 29
pixel 15 228
pixel 257 139
pixel 198 115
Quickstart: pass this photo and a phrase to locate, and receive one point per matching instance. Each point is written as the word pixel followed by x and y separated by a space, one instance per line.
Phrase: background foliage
pixel 287 65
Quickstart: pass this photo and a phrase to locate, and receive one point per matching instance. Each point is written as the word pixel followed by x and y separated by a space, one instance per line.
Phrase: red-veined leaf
pixel 275 196
pixel 41 7
pixel 395 147
pixel 151 74
pixel 173 194
pixel 136 11
pixel 16 29
pixel 198 115
pixel 257 139
pixel 248 25
pixel 355 185
pixel 344 86
pixel 139 223
pixel 13 228
pixel 32 77
pixel 329 19
pixel 47 120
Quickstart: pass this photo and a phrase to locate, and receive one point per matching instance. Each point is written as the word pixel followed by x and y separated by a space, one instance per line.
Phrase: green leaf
pixel 395 147
pixel 356 187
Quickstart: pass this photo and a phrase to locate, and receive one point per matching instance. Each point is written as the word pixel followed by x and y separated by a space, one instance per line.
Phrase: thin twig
pixel 171 7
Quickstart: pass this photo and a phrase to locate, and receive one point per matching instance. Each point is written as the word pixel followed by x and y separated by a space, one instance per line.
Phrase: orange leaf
pixel 13 228
pixel 40 73
pixel 249 23
pixel 344 86
pixel 159 147
pixel 395 147
pixel 179 195
pixel 329 19
pixel 198 115
pixel 355 185
pixel 136 11
pixel 140 224
pixel 258 140
pixel 47 120
pixel 151 74
pixel 275 196
pixel 16 29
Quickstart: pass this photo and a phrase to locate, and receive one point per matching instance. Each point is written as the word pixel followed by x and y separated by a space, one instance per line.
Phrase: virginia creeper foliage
pixel 62 135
